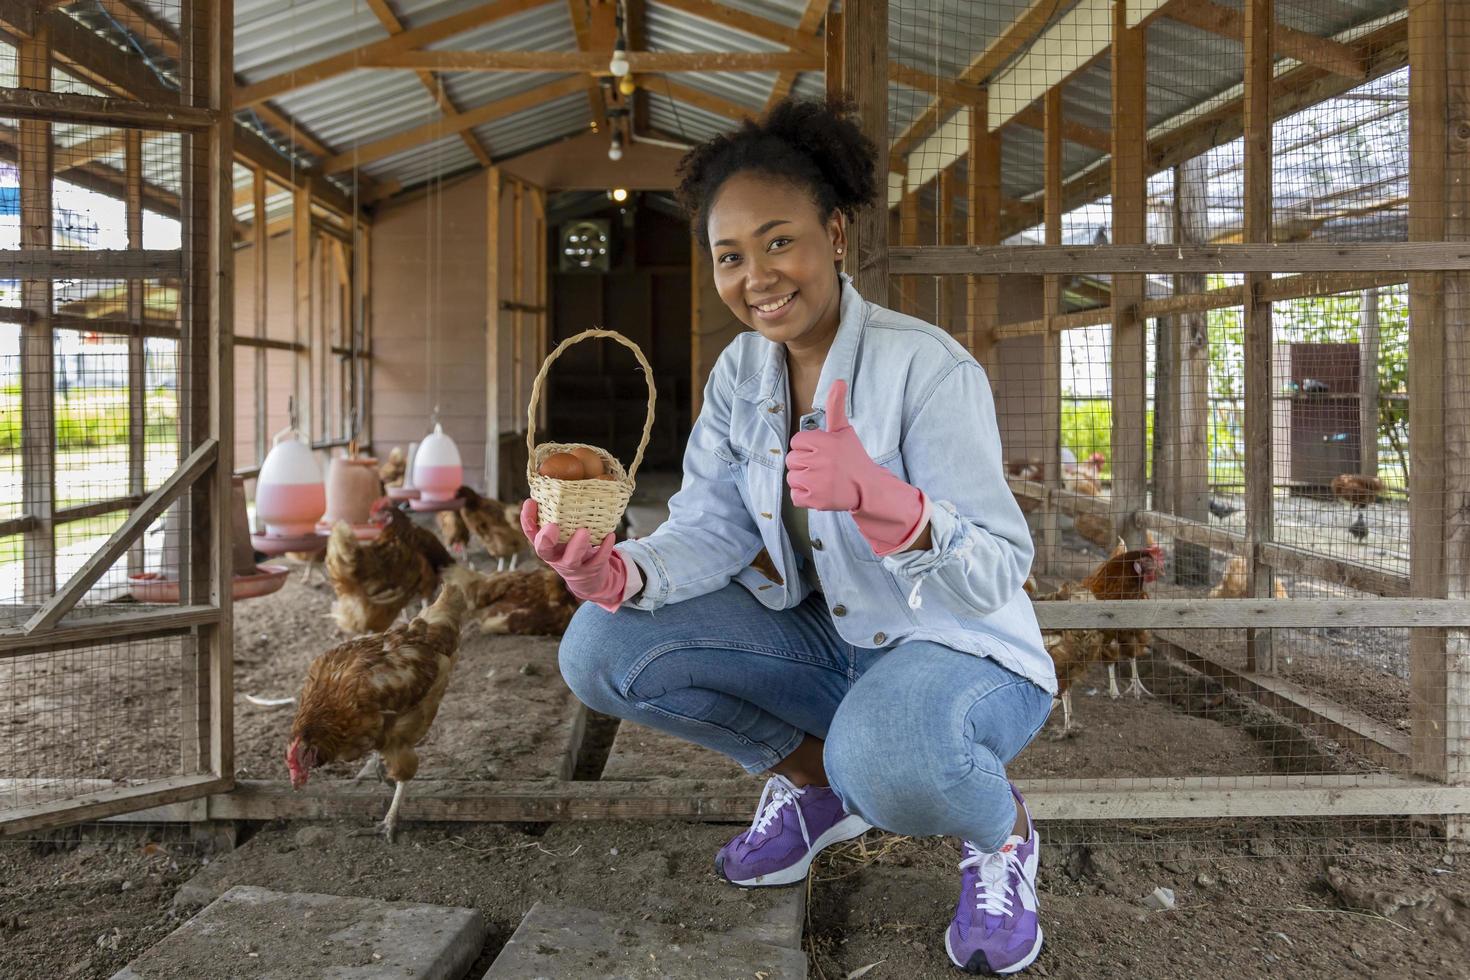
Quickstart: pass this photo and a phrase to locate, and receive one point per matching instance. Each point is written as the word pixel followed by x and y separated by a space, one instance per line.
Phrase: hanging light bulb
pixel 618 194
pixel 615 148
pixel 619 64
pixel 626 85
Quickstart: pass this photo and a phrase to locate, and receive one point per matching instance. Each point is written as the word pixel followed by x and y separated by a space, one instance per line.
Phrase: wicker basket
pixel 596 505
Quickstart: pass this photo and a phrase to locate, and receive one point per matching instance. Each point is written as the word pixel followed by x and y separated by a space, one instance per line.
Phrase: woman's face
pixel 774 257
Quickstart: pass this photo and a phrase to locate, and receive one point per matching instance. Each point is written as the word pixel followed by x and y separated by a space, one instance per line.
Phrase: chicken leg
pixel 1135 686
pixel 373 767
pixel 1069 728
pixel 389 825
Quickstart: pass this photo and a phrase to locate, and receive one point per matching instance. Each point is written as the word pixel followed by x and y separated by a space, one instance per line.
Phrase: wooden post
pixel 865 82
pixel 492 332
pixel 982 293
pixel 1439 363
pixel 1051 341
pixel 1259 475
pixel 518 297
pixel 697 273
pixel 907 300
pixel 362 253
pixel 37 343
pixel 834 42
pixel 542 297
pixel 1368 353
pixel 1191 351
pixel 301 307
pixel 260 270
pixel 1129 186
pixel 944 214
pixel 137 363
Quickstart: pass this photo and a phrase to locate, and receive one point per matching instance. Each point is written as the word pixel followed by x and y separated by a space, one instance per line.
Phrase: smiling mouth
pixel 775 304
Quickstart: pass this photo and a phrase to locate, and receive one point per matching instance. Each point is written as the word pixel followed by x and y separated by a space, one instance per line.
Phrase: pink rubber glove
pixel 830 470
pixel 592 574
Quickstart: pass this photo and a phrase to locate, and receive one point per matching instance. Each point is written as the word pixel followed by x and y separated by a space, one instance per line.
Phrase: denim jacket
pixel 923 409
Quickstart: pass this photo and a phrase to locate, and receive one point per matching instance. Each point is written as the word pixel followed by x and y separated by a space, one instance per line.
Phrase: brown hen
pixel 530 602
pixel 376 580
pixel 1123 576
pixel 378 693
pixel 486 518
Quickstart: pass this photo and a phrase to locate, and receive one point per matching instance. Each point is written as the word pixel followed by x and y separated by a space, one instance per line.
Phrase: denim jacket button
pixel 809 424
pixel 839 610
pixel 816 544
pixel 879 639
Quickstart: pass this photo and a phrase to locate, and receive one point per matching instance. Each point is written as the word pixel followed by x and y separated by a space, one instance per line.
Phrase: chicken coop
pixel 1212 253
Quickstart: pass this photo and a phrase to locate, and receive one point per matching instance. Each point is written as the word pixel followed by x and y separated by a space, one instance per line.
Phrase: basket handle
pixel 541 378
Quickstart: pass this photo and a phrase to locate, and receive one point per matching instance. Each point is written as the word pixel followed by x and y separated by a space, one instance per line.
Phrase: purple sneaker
pixel 792 824
pixel 995 928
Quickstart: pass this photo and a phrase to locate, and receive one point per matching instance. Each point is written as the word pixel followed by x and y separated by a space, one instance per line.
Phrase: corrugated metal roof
pixel 1186 67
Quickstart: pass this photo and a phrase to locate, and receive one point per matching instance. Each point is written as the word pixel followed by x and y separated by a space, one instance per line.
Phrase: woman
pixel 836 596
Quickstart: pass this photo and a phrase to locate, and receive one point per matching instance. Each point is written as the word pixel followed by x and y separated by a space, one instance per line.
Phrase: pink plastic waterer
pixel 437 470
pixel 290 496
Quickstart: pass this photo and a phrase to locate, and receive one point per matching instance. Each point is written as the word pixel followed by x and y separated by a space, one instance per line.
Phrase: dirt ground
pixel 1309 902
pixel 1261 899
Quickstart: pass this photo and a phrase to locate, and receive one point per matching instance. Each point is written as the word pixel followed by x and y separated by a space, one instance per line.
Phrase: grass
pixel 92 417
pixel 11 546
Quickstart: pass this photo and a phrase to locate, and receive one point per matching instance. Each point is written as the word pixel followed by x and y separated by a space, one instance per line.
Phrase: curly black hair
pixel 817 146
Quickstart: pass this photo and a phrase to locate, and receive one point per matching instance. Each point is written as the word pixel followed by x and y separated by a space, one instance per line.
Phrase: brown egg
pixel 561 466
pixel 591 462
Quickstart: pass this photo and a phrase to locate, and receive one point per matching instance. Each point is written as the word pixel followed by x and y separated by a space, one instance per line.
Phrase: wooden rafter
pixel 409 40
pixel 1324 53
pixel 440 128
pixel 596 62
pixel 1072 131
pixel 811 20
pixel 1022 32
pixel 583 29
pixel 760 27
pixel 384 12
pixel 710 103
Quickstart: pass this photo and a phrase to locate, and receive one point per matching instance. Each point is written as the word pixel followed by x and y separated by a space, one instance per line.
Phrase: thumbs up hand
pixel 830 470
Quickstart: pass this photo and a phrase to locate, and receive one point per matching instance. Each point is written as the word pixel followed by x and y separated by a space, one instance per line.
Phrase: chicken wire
pixel 1338 400
pixel 105 379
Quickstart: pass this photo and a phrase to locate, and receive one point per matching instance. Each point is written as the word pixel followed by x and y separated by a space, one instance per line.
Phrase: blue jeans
pixel 917 736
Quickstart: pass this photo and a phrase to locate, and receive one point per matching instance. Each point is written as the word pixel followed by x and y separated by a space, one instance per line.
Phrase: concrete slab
pixel 561 942
pixel 639 752
pixel 268 935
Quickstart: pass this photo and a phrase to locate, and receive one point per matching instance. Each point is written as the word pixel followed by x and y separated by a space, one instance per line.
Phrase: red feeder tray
pixel 155 587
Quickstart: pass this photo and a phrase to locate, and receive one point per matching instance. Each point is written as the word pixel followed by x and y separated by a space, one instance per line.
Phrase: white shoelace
pixel 779 793
pixel 992 877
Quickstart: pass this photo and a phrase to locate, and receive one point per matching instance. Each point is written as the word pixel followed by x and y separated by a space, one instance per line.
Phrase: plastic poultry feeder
pixel 290 496
pixel 437 469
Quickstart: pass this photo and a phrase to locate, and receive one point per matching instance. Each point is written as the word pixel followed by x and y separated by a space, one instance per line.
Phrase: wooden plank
pixel 478 116
pixel 260 283
pixel 1368 390
pixel 217 644
pixel 1192 346
pixel 493 292
pixel 982 293
pixel 1129 206
pixel 37 342
pixel 1353 729
pixel 1259 19
pixel 865 82
pixel 1073 131
pixel 1051 341
pixel 137 364
pixel 542 294
pixel 596 62
pixel 108 627
pixel 749 23
pixel 517 283
pixel 383 10
pixel 1311 49
pixel 729 800
pixel 105 803
pixel 269 343
pixel 1027 25
pixel 710 103
pixel 346 61
pixel 581 15
pixel 100 110
pixel 811 23
pixel 833 79
pixel 35 262
pixel 17 525
pixel 1284 257
pixel 80 512
pixel 85 577
pixel 301 335
pixel 1413 613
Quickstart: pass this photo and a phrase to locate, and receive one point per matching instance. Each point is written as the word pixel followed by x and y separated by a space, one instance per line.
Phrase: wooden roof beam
pixel 384 12
pixel 811 21
pixel 710 103
pixel 1022 31
pixel 1324 53
pixel 760 27
pixel 478 116
pixel 1071 130
pixel 596 62
pixel 582 27
pixel 337 64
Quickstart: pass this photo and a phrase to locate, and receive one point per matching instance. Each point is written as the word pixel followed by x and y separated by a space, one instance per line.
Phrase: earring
pixel 839 251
